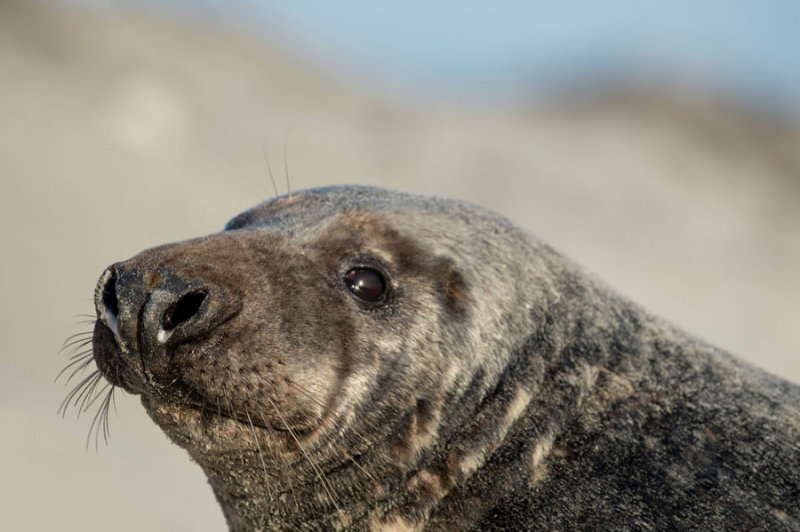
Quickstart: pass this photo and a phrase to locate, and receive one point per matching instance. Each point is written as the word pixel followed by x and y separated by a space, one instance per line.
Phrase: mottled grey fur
pixel 496 387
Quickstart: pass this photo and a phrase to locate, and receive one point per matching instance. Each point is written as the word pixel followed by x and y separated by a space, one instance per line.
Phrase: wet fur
pixel 498 386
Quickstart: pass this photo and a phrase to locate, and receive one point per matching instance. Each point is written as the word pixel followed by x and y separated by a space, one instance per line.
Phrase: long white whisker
pixel 315 467
pixel 350 457
pixel 260 454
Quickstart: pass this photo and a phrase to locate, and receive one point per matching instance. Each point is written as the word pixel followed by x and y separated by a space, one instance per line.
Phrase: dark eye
pixel 366 284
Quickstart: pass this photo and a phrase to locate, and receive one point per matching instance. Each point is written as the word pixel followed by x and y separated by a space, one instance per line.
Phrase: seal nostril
pixel 182 310
pixel 110 294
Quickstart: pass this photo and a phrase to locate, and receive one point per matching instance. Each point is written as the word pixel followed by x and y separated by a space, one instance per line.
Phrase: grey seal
pixel 357 358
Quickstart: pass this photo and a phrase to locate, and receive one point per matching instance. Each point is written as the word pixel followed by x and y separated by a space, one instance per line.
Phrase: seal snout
pixel 157 312
pixel 149 311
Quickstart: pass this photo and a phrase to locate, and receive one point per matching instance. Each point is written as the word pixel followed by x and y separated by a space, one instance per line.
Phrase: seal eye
pixel 366 284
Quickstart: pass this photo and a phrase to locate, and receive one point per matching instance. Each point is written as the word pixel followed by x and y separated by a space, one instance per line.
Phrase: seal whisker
pixel 80 355
pixel 307 393
pixel 100 419
pixel 341 448
pixel 266 425
pixel 88 319
pixel 219 406
pixel 320 474
pixel 78 391
pixel 232 415
pixel 92 394
pixel 114 400
pixel 260 453
pixel 76 344
pixel 82 360
pixel 338 446
pixel 79 335
pixel 80 366
pixel 286 162
pixel 110 403
pixel 269 170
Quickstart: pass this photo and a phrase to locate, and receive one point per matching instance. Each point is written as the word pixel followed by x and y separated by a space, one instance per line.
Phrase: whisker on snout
pixel 90 389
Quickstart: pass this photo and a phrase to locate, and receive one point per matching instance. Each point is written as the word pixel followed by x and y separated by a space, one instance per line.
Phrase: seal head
pixel 351 357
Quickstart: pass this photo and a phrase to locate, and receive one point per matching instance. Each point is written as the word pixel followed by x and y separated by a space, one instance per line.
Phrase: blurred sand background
pixel 123 129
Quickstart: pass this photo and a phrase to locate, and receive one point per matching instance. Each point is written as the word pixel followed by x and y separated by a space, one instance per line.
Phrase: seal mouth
pixel 245 418
pixel 189 423
pixel 172 393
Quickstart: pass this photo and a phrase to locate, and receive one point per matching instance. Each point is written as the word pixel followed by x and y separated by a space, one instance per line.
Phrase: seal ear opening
pixel 453 289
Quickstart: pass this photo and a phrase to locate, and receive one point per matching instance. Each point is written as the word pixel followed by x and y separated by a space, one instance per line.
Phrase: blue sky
pixel 748 49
